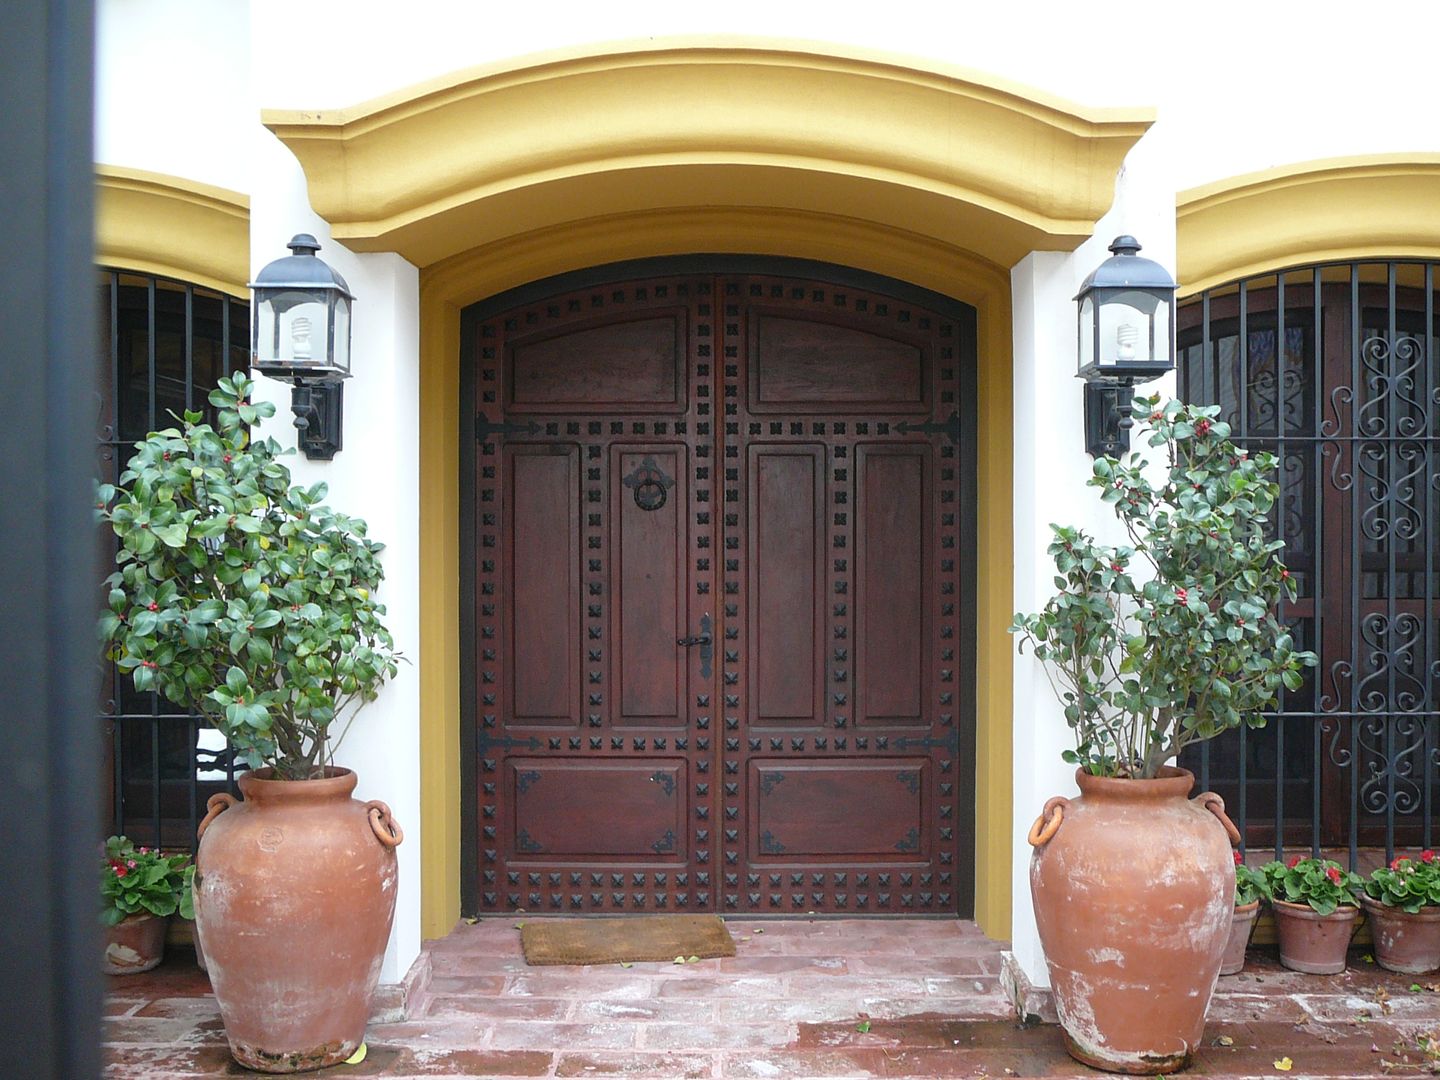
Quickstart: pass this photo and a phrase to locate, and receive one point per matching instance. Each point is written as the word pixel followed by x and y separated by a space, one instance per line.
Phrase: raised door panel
pixel 634 365
pixel 631 811
pixel 542 486
pixel 787 583
pixel 839 811
pixel 814 365
pixel 648 496
pixel 892 636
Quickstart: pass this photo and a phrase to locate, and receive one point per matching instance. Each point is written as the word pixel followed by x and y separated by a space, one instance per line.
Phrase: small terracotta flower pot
pixel 1404 942
pixel 1311 942
pixel 1241 924
pixel 136 943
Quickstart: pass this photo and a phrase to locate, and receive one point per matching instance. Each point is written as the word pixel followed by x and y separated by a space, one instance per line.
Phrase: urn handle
pixel 1048 823
pixel 1216 805
pixel 387 830
pixel 214 806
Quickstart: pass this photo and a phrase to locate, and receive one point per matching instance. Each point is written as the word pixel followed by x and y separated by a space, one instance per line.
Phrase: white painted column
pixel 1051 468
pixel 374 477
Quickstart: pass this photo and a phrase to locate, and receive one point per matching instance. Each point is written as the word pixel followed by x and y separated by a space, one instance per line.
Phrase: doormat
pixel 624 940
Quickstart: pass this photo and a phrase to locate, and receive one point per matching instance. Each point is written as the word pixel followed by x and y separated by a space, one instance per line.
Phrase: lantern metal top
pixel 1127 270
pixel 302 270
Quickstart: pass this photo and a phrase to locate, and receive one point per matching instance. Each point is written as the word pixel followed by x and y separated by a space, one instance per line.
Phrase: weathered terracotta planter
pixel 136 943
pixel 1311 942
pixel 294 896
pixel 1134 889
pixel 1404 942
pixel 1241 925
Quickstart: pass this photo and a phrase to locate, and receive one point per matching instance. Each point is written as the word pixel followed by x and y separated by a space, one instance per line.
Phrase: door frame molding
pixel 964 315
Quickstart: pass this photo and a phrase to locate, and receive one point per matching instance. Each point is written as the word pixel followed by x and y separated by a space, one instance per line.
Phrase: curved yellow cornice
pixel 178 228
pixel 1314 211
pixel 507 149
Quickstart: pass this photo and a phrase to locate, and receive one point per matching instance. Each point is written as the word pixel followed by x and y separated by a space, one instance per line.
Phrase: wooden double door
pixel 719 607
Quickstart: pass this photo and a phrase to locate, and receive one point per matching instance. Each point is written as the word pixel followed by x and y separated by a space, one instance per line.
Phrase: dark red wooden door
pixel 720 605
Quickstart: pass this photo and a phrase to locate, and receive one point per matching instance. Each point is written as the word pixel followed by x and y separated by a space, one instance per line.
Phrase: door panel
pixel 718 654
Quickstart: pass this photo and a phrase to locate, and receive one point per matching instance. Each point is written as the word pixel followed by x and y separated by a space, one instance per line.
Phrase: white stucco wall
pixel 1240 86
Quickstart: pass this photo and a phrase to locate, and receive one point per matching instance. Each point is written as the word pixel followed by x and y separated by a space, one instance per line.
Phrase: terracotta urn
pixel 136 943
pixel 1404 941
pixel 294 897
pixel 1311 942
pixel 1242 922
pixel 1134 891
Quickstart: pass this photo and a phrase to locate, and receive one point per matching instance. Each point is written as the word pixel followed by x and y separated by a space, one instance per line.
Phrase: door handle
pixel 703 639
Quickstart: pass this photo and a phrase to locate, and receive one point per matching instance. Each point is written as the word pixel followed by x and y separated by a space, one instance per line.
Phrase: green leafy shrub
pixel 1151 662
pixel 1408 884
pixel 1322 883
pixel 240 596
pixel 1250 884
pixel 139 881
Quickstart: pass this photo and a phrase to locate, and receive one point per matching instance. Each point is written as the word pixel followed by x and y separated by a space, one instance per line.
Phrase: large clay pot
pixel 1404 942
pixel 1311 942
pixel 1134 888
pixel 1241 924
pixel 294 896
pixel 136 943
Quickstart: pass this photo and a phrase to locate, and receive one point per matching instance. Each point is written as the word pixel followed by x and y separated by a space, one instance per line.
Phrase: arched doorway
pixel 718 600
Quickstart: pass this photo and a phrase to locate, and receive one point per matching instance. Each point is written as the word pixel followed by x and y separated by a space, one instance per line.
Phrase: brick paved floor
pixel 790 1005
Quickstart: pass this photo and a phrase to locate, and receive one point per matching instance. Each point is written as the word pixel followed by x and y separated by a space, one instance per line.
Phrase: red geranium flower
pixel 1294 862
pixel 1238 859
pixel 1395 863
pixel 1427 855
pixel 1333 874
pixel 120 871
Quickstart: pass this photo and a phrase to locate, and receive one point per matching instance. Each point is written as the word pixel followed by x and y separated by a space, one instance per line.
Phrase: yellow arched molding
pixel 172 227
pixel 447 287
pixel 500 151
pixel 1315 211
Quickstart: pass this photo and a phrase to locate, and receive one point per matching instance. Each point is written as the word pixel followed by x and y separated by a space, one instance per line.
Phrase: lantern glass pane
pixel 1126 328
pixel 1087 333
pixel 340 340
pixel 301 323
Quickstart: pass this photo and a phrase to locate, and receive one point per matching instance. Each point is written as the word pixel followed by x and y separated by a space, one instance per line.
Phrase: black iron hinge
pixel 486 429
pixel 949 427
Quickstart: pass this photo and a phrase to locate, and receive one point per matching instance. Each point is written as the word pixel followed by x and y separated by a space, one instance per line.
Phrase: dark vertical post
pixel 50 770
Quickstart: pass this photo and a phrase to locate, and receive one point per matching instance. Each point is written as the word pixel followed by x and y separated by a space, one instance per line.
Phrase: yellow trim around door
pixel 1314 211
pixel 173 227
pixel 449 286
pixel 498 151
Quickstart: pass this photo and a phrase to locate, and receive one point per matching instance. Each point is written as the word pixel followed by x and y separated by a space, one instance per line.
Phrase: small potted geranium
pixel 1402 902
pixel 1250 888
pixel 1315 907
pixel 141 889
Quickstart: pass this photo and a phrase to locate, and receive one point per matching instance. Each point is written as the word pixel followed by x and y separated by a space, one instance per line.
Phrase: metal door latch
pixel 703 639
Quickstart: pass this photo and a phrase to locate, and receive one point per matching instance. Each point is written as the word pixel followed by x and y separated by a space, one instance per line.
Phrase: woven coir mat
pixel 620 940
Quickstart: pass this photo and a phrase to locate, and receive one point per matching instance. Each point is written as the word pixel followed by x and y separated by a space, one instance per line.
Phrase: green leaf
pixel 235 680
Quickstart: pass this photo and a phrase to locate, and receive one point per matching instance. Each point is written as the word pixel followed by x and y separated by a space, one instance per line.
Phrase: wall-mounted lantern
pixel 301 336
pixel 1127 336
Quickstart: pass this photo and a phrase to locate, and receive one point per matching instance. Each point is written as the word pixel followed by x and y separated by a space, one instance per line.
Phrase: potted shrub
pixel 1251 886
pixel 1133 882
pixel 1315 911
pixel 141 889
pixel 1402 902
pixel 244 598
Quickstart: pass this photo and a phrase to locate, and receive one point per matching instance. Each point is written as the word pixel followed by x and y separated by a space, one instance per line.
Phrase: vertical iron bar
pixel 1279 715
pixel 1243 348
pixel 1391 416
pixel 1431 538
pixel 189 346
pixel 1356 554
pixel 116 442
pixel 1317 568
pixel 1210 393
pixel 150 351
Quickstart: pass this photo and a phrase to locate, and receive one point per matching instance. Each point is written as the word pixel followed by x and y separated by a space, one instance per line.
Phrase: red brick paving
pixel 788 1006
